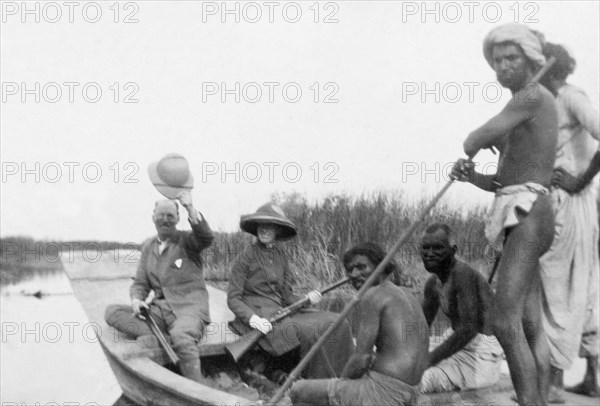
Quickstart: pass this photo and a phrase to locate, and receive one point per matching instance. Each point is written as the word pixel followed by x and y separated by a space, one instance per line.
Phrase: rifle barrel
pixel 286 311
pixel 160 336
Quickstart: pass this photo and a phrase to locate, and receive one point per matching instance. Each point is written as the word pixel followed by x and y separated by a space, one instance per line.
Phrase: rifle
pixel 238 348
pixel 159 335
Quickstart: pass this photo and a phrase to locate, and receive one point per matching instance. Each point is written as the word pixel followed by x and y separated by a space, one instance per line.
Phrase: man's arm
pixel 466 327
pixel 360 362
pixel 572 184
pixel 516 112
pixel 202 236
pixel 431 300
pixel 580 106
pixel 464 171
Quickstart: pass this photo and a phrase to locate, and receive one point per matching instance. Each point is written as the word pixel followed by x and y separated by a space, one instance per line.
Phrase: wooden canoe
pixel 139 365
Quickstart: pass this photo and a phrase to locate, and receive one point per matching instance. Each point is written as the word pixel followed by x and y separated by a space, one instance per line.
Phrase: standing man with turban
pixel 521 219
pixel 570 268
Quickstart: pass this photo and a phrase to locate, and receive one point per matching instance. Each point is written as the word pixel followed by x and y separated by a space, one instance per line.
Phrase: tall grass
pixel 328 227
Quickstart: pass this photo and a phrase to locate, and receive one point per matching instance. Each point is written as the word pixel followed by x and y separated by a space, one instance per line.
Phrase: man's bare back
pixel 391 319
pixel 391 346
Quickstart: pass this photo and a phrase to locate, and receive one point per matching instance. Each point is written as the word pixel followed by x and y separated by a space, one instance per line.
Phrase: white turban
pixel 529 40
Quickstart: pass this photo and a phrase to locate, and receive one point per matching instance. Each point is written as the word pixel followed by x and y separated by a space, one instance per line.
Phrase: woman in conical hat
pixel 260 285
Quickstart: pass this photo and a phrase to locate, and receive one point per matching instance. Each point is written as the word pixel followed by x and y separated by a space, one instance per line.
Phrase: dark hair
pixel 444 227
pixel 373 251
pixel 439 226
pixel 565 63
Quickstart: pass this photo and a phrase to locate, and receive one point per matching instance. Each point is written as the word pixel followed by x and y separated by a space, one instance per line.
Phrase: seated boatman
pixel 470 358
pixel 170 264
pixel 391 320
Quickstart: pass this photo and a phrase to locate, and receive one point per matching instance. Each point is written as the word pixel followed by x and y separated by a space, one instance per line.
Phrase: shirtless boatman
pixel 390 319
pixel 521 220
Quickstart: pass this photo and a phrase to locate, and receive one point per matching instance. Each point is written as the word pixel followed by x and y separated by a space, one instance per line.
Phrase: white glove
pixel 260 324
pixel 314 296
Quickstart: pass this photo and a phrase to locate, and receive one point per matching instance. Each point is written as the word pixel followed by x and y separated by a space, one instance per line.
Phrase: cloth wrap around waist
pixel 510 203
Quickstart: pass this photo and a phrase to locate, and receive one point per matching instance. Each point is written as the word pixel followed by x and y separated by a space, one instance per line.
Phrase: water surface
pixel 48 349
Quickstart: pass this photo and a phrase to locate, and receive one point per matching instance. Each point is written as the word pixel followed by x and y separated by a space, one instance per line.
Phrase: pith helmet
pixel 171 175
pixel 269 214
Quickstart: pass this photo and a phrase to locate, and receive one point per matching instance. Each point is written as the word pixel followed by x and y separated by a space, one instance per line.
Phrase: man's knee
pixel 121 318
pixel 434 380
pixel 184 329
pixel 115 313
pixel 542 225
pixel 310 392
pixel 505 326
pixel 298 388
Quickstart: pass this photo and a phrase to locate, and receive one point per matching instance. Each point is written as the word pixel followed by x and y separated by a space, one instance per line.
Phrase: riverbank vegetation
pixel 326 228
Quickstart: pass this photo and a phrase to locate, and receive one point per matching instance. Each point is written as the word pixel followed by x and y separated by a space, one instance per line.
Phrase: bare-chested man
pixel 390 320
pixel 522 219
pixel 470 358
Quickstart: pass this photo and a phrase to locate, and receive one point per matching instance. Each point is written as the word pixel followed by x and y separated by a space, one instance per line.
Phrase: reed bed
pixel 328 227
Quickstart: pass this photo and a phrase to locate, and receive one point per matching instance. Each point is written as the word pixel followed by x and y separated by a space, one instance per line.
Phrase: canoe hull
pixel 139 368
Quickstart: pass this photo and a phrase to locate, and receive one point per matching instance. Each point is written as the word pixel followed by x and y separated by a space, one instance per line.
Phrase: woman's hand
pixel 314 296
pixel 261 324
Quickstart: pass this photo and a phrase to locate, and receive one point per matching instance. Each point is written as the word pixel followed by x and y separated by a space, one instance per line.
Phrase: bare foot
pixel 555 395
pixel 585 389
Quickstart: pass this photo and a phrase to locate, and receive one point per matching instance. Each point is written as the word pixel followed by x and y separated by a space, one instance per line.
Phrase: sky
pixel 260 97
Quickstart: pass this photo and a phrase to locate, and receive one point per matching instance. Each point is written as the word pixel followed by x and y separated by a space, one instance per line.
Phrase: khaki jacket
pixel 260 284
pixel 176 275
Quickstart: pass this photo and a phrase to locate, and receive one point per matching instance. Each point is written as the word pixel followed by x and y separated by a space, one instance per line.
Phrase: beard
pixel 513 81
pixel 436 264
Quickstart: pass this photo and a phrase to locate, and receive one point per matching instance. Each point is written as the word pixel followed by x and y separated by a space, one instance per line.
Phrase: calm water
pixel 49 351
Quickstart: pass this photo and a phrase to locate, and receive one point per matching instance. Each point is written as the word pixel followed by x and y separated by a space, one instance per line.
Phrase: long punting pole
pixel 356 298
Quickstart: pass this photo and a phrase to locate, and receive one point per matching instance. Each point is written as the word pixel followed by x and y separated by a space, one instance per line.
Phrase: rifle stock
pixel 238 348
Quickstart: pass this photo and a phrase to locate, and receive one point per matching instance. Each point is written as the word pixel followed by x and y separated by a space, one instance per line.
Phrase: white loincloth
pixel 476 365
pixel 503 213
